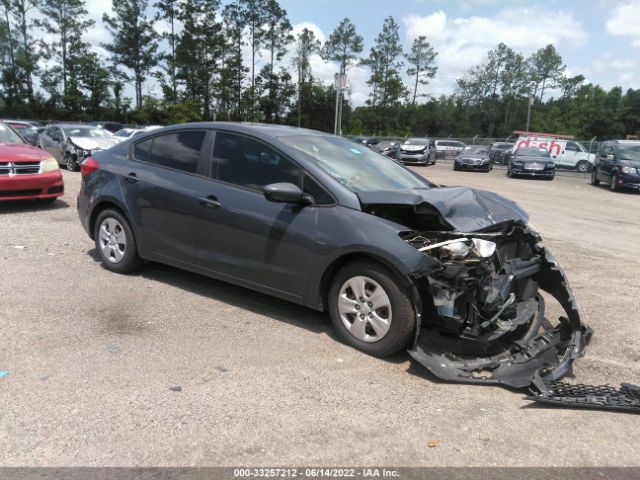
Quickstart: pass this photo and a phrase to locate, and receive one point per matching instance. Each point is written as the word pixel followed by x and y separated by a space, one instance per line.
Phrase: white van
pixel 567 154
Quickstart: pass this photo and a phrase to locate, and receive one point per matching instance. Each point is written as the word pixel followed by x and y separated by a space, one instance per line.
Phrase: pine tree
pixel 306 45
pixel 134 41
pixel 388 88
pixel 421 58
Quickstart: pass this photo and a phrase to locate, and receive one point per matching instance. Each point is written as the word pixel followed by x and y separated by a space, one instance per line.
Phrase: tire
pixel 594 177
pixel 70 163
pixel 551 177
pixel 613 185
pixel 355 328
pixel 116 245
pixel 509 172
pixel 582 166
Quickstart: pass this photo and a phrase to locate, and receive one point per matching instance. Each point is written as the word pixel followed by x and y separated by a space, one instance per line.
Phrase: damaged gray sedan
pixel 455 275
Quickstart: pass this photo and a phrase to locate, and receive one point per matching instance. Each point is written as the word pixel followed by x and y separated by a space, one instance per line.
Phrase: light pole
pixel 340 82
pixel 529 103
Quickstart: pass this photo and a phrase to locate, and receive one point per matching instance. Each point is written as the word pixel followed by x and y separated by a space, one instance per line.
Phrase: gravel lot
pixel 92 355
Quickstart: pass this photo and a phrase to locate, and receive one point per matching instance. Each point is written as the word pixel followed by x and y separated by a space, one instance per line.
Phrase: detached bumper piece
pixel 600 397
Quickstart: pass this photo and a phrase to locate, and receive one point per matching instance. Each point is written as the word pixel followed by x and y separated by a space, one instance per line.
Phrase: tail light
pixel 89 166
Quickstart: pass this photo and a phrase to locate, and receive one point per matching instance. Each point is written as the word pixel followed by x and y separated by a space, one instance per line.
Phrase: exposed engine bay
pixel 480 308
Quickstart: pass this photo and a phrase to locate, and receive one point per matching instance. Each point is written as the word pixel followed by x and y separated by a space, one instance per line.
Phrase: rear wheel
pixel 370 310
pixel 594 177
pixel 115 242
pixel 582 166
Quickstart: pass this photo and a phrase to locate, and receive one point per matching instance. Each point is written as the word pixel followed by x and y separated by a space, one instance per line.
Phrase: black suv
pixel 618 164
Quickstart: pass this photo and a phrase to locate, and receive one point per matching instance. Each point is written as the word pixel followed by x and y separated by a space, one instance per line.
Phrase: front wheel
pixel 509 172
pixel 115 242
pixel 594 177
pixel 613 184
pixel 370 310
pixel 71 163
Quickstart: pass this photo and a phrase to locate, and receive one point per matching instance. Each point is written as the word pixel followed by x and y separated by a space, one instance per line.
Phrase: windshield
pixel 387 144
pixel 504 146
pixel 86 132
pixel 532 152
pixel 8 136
pixel 416 141
pixel 477 151
pixel 630 152
pixel 359 169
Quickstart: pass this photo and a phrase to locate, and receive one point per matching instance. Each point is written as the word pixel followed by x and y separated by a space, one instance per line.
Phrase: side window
pixel 141 150
pixel 246 162
pixel 318 193
pixel 606 150
pixel 179 150
pixel 571 147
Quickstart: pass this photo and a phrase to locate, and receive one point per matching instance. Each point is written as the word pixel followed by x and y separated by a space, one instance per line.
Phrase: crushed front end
pixel 483 312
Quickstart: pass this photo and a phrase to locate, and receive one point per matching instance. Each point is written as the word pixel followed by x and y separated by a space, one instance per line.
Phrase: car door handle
pixel 132 177
pixel 210 202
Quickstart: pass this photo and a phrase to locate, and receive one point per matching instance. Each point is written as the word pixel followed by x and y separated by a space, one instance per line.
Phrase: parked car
pixel 618 165
pixel 448 148
pixel 110 126
pixel 567 154
pixel 125 133
pixel 26 172
pixel 70 143
pixel 473 158
pixel 532 162
pixel 390 149
pixel 27 129
pixel 452 273
pixel 499 152
pixel 368 141
pixel 419 151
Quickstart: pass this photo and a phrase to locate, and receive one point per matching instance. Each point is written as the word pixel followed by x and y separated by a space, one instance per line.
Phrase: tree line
pixel 206 57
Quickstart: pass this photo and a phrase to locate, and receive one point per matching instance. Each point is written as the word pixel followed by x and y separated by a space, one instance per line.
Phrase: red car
pixel 27 172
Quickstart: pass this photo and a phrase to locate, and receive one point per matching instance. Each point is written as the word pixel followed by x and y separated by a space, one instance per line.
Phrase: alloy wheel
pixel 113 240
pixel 365 309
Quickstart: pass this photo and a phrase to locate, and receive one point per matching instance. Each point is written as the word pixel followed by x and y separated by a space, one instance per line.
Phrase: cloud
pixel 463 41
pixel 624 22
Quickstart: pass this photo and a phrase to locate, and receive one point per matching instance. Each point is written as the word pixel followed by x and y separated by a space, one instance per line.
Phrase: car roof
pixel 71 125
pixel 267 130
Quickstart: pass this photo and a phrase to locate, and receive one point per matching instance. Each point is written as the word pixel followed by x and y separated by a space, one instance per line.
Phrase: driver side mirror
pixel 286 193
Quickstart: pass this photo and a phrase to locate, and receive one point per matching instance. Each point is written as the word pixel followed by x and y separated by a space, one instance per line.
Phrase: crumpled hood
pixel 465 209
pixel 93 143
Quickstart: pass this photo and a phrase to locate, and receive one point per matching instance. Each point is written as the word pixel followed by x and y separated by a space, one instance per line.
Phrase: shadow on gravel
pixel 255 302
pixel 22 206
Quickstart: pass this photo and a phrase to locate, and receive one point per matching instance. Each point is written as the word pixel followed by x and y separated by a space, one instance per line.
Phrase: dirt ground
pixel 91 357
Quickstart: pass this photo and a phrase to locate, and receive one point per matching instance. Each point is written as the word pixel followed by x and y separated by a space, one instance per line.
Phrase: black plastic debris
pixel 601 397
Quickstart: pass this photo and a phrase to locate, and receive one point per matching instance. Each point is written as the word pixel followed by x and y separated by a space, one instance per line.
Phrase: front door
pixel 241 234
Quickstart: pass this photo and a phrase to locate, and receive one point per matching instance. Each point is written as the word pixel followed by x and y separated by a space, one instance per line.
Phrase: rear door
pixel 160 181
pixel 242 235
